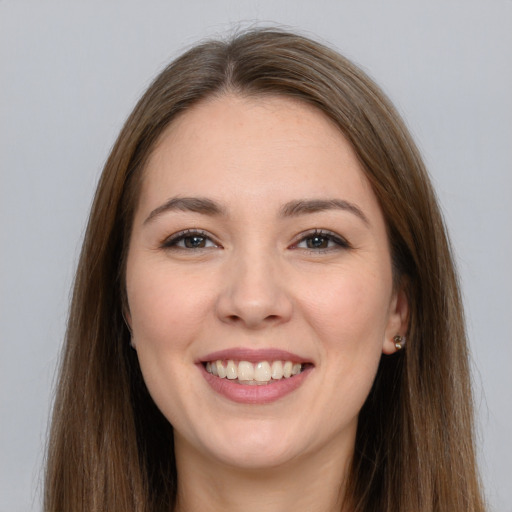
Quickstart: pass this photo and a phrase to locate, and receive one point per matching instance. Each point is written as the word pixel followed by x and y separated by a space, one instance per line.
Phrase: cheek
pixel 167 311
pixel 166 307
pixel 349 307
pixel 349 318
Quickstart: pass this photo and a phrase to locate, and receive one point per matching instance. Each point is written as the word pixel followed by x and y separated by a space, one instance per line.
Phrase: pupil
pixel 317 242
pixel 194 242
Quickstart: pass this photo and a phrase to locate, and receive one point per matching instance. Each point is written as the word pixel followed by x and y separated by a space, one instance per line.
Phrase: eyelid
pixel 339 240
pixel 171 241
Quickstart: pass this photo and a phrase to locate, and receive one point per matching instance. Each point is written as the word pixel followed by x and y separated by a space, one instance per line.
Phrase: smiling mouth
pixel 254 374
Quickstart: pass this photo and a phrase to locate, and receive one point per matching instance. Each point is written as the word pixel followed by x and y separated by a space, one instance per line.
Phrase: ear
pixel 398 321
pixel 127 317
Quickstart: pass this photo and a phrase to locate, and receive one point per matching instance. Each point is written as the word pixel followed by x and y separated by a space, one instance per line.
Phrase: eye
pixel 320 240
pixel 189 239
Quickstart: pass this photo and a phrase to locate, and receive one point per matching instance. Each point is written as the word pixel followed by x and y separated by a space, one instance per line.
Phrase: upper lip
pixel 253 355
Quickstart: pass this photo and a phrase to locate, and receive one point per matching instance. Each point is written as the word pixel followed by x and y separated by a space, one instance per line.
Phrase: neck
pixel 316 482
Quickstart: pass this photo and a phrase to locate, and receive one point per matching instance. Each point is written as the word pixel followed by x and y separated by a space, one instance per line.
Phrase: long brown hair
pixel 111 449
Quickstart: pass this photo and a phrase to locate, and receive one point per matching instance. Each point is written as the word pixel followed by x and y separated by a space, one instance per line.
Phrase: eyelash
pixel 340 242
pixel 175 239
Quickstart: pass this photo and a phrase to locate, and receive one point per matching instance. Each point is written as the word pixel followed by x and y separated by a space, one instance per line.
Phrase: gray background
pixel 71 71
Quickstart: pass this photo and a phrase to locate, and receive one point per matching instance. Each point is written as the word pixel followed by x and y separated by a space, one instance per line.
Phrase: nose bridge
pixel 254 293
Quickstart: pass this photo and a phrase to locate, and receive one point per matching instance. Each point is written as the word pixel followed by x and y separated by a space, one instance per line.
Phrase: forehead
pixel 254 149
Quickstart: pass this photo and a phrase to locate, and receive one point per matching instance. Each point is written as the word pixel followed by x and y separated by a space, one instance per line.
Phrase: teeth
pixel 249 373
pixel 287 369
pixel 277 370
pixel 231 370
pixel 245 370
pixel 262 372
pixel 221 371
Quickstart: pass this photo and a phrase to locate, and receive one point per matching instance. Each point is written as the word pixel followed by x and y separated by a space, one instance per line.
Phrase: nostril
pixel 250 320
pixel 253 306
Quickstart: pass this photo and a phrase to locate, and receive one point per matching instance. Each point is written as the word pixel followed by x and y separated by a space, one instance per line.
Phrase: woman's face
pixel 259 249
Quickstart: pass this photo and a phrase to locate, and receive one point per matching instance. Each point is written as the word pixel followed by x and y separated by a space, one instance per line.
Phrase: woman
pixel 263 241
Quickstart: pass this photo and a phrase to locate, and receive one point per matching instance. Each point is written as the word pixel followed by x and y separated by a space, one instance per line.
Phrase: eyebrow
pixel 187 204
pixel 303 206
pixel 294 208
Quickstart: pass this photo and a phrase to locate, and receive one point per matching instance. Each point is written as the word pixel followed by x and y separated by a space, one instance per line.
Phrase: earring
pixel 399 341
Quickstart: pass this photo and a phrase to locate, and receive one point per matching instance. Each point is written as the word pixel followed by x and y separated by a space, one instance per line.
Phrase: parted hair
pixel 111 449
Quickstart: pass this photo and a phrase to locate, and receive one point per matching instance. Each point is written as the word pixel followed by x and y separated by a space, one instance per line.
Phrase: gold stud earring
pixel 399 341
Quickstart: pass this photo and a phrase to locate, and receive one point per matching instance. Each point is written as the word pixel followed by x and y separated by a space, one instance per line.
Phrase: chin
pixel 252 458
pixel 253 447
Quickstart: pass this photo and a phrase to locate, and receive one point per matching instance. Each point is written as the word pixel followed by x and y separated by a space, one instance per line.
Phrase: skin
pixel 259 281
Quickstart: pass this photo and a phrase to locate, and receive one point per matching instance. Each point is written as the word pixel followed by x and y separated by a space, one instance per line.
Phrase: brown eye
pixel 194 242
pixel 317 242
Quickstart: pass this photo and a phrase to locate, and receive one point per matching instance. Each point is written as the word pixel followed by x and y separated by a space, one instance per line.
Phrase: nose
pixel 254 293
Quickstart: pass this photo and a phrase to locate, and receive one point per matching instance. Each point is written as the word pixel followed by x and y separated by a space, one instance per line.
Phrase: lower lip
pixel 257 394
